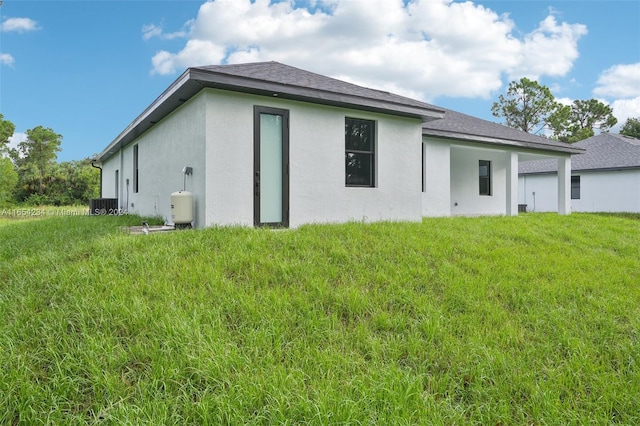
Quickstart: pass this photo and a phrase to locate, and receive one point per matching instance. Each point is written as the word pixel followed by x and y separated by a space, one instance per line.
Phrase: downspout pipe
pixel 99 168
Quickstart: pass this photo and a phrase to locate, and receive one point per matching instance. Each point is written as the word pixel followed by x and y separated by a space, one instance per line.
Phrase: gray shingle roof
pixel 606 151
pixel 291 78
pixel 456 125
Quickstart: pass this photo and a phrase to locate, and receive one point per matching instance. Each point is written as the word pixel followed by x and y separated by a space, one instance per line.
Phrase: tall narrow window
pixel 484 174
pixel 575 187
pixel 424 170
pixel 117 186
pixel 135 168
pixel 359 136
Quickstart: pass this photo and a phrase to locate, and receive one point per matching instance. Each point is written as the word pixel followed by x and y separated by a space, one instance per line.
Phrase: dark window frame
pixel 284 113
pixel 575 187
pixel 117 184
pixel 135 169
pixel 355 152
pixel 424 167
pixel 484 179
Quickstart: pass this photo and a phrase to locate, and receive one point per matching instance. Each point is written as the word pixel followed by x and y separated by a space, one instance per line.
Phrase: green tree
pixel 73 182
pixel 38 152
pixel 8 180
pixel 631 127
pixel 527 105
pixel 578 121
pixel 7 129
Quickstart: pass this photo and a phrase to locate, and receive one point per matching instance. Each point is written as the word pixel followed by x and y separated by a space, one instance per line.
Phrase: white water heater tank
pixel 182 207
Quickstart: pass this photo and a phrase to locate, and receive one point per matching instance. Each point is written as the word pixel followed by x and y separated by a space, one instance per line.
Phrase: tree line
pixel 532 108
pixel 30 174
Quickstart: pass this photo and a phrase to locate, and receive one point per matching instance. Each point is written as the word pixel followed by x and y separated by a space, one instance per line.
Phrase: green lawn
pixel 496 320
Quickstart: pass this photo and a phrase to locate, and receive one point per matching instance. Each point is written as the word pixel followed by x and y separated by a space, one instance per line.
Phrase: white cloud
pixel 624 109
pixel 564 101
pixel 620 84
pixel 6 59
pixel 16 139
pixel 151 30
pixel 196 52
pixel 619 81
pixel 19 25
pixel 549 50
pixel 424 49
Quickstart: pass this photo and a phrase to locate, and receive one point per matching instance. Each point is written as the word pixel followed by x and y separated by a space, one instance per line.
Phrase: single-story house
pixel 269 144
pixel 605 178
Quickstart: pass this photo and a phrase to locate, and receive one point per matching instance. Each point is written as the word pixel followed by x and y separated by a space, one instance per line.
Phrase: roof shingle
pixel 287 75
pixel 461 126
pixel 606 151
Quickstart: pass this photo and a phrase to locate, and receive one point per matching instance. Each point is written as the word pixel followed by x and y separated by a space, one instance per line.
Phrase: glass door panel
pixel 270 168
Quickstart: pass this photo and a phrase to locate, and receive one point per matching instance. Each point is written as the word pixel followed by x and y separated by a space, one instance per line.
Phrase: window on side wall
pixel 575 187
pixel 135 168
pixel 359 136
pixel 424 170
pixel 484 174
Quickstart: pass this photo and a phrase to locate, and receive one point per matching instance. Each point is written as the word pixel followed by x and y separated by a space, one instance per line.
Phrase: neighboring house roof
pixel 456 125
pixel 606 151
pixel 270 79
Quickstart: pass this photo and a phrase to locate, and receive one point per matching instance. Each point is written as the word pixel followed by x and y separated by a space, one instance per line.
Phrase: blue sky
pixel 87 69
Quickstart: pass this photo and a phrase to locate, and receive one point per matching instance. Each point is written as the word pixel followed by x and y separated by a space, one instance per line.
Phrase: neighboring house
pixel 270 144
pixel 606 178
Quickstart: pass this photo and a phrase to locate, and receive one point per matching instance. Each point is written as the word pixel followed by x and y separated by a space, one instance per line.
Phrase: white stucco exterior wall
pixel 109 168
pixel 606 191
pixel 511 178
pixel 173 143
pixel 564 185
pixel 317 163
pixel 538 192
pixel 229 157
pixel 436 198
pixel 465 198
pixel 612 191
pixel 213 133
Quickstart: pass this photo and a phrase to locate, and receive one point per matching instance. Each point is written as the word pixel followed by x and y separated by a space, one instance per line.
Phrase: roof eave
pixel 243 84
pixel 603 169
pixel 503 142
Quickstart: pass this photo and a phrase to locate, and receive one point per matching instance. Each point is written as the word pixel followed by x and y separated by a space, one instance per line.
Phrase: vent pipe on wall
pixel 186 171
